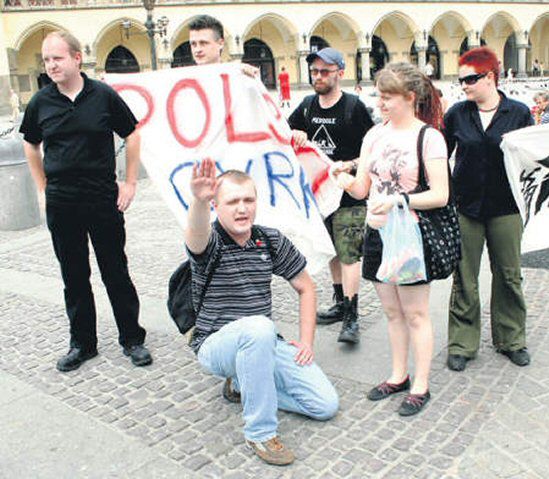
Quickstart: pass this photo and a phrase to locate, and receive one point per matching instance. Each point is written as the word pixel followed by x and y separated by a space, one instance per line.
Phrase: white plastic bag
pixel 402 260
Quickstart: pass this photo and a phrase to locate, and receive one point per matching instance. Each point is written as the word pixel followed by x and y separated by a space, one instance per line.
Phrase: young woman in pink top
pixel 388 175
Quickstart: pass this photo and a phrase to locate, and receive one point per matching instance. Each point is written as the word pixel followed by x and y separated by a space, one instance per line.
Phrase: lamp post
pixel 159 27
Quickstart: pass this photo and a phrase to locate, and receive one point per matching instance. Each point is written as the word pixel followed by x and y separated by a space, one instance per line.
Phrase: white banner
pixel 187 114
pixel 526 154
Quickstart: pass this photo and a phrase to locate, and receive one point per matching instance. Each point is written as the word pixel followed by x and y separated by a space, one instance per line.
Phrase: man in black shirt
pixel 337 122
pixel 74 119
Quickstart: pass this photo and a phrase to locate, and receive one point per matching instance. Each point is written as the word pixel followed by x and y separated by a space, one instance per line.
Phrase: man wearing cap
pixel 337 122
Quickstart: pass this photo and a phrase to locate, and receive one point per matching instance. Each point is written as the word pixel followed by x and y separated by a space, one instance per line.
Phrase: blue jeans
pixel 263 369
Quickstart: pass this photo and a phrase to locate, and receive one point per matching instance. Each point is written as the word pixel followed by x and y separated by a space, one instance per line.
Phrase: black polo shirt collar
pixel 86 88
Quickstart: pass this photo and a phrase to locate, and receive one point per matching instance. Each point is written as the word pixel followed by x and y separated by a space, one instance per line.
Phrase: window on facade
pixel 182 56
pixel 121 60
pixel 258 53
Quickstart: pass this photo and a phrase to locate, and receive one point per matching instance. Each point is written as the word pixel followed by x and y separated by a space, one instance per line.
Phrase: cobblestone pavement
pixel 491 421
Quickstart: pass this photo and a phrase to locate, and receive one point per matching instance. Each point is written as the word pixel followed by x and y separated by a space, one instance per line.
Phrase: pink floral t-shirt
pixel 391 156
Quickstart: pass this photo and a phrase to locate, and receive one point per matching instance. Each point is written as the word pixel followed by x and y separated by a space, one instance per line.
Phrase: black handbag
pixel 439 227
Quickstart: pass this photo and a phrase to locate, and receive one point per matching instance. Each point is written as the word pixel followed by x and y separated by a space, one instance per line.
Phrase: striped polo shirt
pixel 241 284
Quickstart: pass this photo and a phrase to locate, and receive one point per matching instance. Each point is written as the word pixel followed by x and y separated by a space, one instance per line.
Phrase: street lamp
pixel 159 27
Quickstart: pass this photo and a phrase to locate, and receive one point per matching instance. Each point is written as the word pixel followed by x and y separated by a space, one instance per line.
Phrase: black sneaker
pixel 457 362
pixel 229 393
pixel 520 357
pixel 139 354
pixel 74 359
pixel 414 403
pixel 385 389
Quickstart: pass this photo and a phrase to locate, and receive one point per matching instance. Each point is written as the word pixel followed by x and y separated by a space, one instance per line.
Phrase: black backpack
pixel 180 302
pixel 350 104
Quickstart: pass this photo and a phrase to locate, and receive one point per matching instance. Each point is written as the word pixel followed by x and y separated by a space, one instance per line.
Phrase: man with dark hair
pixel 207 42
pixel 234 336
pixel 207 22
pixel 337 122
pixel 74 118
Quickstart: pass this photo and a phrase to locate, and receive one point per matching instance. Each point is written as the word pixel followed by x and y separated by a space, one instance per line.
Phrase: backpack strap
pixel 215 263
pixel 350 103
pixel 258 233
pixel 307 103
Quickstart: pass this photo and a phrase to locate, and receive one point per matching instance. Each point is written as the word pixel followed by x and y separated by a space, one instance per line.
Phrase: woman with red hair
pixel 487 213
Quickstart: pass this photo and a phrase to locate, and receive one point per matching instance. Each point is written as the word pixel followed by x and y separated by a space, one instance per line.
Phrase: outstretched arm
pixel 305 287
pixel 203 187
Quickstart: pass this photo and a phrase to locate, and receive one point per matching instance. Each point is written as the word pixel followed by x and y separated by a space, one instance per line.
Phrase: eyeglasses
pixel 323 72
pixel 471 79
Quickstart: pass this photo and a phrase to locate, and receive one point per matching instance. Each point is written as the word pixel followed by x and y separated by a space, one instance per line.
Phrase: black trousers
pixel 70 226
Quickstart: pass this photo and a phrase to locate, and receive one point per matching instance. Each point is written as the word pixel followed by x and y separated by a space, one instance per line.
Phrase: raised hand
pixel 204 182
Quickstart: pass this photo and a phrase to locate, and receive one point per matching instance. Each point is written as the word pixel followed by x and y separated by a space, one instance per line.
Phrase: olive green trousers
pixel 502 235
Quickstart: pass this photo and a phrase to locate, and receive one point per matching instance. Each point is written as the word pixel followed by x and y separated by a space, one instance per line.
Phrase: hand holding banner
pixel 214 111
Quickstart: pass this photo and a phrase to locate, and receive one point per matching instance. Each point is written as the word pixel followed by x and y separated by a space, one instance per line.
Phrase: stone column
pixel 522 61
pixel 88 67
pixel 365 64
pixel 5 85
pixel 473 39
pixel 18 200
pixel 303 68
pixel 421 57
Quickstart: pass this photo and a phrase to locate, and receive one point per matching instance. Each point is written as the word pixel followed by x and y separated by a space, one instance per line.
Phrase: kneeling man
pixel 235 337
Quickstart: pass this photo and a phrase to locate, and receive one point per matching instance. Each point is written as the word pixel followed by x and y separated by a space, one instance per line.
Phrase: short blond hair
pixel 69 39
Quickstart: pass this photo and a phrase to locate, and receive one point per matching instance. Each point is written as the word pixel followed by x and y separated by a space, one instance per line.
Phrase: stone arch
pixel 29 32
pixel 342 33
pixel 496 31
pixel 28 67
pixel 449 31
pixel 345 26
pixel 113 34
pixel 398 31
pixel 281 37
pixel 539 33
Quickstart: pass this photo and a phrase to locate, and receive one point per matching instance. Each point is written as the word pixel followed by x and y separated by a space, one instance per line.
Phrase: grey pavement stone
pixel 174 411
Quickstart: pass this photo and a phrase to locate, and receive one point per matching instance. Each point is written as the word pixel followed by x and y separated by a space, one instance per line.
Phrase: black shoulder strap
pixel 350 103
pixel 307 103
pixel 259 233
pixel 215 263
pixel 422 178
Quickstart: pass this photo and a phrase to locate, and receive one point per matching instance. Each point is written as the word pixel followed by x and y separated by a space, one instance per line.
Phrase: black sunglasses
pixel 471 79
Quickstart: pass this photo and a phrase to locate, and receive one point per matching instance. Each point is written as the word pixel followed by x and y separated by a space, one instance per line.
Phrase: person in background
pixel 487 213
pixel 284 87
pixel 541 115
pixel 15 104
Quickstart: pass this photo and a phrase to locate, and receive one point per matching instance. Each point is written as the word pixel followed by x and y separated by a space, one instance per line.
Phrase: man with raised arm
pixel 235 337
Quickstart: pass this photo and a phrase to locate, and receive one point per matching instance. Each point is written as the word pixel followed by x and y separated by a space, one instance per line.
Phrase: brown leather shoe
pixel 272 451
pixel 229 393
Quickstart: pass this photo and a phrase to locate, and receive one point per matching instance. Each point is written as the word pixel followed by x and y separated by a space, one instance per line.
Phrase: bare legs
pixel 407 311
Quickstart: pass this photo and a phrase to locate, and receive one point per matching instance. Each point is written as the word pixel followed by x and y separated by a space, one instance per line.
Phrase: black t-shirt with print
pixel 339 140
